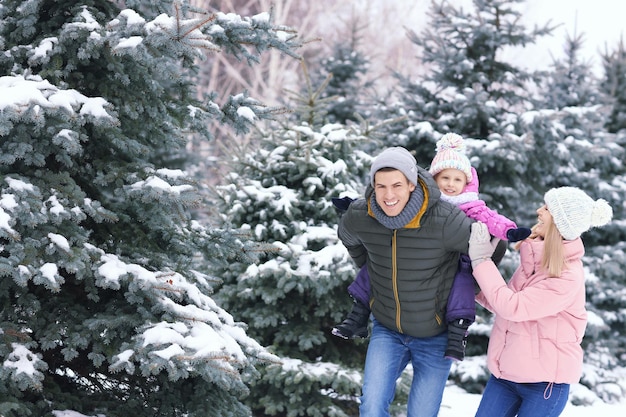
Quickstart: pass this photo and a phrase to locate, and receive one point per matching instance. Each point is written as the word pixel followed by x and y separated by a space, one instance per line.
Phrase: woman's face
pixel 544 221
pixel 393 191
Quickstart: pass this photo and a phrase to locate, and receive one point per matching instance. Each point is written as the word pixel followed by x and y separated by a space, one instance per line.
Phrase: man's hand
pixel 481 245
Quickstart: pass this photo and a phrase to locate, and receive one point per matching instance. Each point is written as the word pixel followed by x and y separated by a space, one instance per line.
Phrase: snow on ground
pixel 458 403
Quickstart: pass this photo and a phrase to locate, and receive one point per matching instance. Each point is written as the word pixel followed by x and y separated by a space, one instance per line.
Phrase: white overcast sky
pixel 603 23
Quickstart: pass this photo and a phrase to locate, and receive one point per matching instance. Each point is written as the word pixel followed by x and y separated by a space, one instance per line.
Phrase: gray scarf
pixel 406 215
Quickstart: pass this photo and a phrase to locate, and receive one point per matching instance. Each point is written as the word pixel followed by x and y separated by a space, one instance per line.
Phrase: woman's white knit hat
pixel 398 158
pixel 451 154
pixel 574 212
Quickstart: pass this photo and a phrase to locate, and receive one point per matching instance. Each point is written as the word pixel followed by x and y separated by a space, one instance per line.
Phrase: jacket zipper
pixel 394 279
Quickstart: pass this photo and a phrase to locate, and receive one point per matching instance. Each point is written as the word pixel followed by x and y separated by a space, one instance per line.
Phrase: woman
pixel 534 349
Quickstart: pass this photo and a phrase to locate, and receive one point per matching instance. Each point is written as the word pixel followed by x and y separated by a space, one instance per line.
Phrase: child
pixel 458 183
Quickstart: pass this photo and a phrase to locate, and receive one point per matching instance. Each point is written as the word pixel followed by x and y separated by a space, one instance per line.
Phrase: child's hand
pixel 341 204
pixel 515 235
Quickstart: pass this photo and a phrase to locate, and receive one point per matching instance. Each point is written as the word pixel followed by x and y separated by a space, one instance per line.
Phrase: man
pixel 410 241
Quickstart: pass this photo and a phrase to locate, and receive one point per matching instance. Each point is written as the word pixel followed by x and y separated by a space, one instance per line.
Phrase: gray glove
pixel 481 245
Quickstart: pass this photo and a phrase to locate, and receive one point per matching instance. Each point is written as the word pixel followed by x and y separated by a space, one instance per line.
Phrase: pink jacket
pixel 477 209
pixel 539 320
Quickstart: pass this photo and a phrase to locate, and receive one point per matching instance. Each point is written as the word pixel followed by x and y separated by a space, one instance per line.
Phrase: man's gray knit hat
pixel 574 212
pixel 398 158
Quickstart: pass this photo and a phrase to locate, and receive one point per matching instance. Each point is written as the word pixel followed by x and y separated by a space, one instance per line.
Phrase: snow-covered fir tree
pixel 281 191
pixel 614 65
pixel 567 122
pixel 464 73
pixel 565 97
pixel 348 67
pixel 570 80
pixel 105 303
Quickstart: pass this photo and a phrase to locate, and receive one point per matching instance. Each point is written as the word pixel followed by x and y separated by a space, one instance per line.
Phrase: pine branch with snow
pixel 105 296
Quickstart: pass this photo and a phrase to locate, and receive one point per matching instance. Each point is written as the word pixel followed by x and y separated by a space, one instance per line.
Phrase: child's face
pixel 451 181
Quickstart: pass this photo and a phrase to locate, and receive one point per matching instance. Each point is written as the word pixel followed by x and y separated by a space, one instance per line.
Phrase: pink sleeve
pixel 497 224
pixel 543 298
pixel 477 210
pixel 482 300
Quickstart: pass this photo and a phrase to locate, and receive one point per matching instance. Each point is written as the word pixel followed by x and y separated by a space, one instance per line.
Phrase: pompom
pixel 451 141
pixel 602 213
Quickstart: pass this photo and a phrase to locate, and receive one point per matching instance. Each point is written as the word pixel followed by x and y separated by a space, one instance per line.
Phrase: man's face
pixel 393 191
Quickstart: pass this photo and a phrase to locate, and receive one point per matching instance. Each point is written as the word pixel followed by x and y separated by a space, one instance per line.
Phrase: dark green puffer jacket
pixel 411 269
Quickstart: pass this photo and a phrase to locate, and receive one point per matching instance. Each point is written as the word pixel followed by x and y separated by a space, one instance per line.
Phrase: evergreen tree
pixel 570 81
pixel 614 84
pixel 281 191
pixel 465 74
pixel 567 124
pixel 104 296
pixel 347 66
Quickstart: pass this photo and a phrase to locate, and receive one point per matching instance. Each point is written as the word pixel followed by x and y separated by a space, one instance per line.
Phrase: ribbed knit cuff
pixel 478 261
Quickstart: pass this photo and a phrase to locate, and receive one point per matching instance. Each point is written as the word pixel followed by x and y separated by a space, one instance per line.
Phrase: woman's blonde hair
pixel 553 258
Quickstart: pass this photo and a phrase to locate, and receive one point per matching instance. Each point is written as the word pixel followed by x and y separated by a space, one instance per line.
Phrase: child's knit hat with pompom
pixel 574 212
pixel 451 154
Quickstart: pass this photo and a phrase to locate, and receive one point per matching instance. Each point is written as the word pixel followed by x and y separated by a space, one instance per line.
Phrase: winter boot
pixel 457 339
pixel 355 325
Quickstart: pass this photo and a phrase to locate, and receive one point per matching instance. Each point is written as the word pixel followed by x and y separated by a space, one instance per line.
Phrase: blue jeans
pixel 503 398
pixel 388 353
